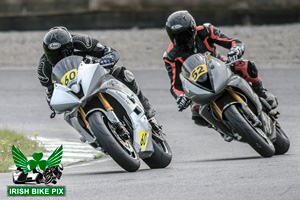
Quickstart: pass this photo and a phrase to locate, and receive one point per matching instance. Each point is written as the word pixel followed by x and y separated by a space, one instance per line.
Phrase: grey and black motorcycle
pixel 107 114
pixel 229 104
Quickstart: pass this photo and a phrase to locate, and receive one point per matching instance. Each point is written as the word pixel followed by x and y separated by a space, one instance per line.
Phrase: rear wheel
pixel 282 142
pixel 120 150
pixel 162 155
pixel 250 134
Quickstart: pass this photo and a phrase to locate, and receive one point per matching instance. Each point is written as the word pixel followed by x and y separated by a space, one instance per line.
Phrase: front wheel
pixel 250 134
pixel 121 151
pixel 162 155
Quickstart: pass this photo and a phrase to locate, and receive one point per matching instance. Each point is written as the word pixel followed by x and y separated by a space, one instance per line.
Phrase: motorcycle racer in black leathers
pixel 187 39
pixel 58 43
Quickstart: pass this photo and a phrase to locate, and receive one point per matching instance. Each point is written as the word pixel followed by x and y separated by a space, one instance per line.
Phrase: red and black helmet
pixel 181 29
pixel 58 44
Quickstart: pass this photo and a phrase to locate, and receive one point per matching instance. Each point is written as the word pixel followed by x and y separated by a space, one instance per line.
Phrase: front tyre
pixel 162 155
pixel 121 151
pixel 250 134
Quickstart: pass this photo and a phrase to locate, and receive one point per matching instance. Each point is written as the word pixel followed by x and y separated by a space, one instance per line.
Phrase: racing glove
pixel 107 61
pixel 49 92
pixel 183 102
pixel 235 53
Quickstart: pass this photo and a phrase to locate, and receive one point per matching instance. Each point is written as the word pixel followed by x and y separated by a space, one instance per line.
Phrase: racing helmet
pixel 181 29
pixel 58 44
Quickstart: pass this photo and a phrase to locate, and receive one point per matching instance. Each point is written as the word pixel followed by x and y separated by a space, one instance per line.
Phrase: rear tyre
pixel 121 151
pixel 282 142
pixel 251 135
pixel 161 156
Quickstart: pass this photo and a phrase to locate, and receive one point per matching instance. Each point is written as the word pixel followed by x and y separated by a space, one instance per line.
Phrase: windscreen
pixel 66 69
pixel 195 68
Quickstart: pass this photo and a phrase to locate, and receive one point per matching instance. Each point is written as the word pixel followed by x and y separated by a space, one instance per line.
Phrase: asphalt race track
pixel 203 166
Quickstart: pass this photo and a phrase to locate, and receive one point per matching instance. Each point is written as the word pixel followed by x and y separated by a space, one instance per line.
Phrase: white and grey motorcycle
pixel 229 104
pixel 107 114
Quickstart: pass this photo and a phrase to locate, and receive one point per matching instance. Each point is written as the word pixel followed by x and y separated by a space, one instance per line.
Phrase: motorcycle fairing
pixel 142 130
pixel 93 78
pixel 217 73
pixel 63 99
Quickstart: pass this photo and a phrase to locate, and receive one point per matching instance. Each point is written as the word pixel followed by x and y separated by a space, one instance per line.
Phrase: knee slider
pixel 247 70
pixel 121 73
pixel 252 70
pixel 128 75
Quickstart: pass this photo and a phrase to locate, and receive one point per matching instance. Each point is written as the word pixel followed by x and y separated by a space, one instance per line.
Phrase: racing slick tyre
pixel 162 155
pixel 282 142
pixel 250 134
pixel 121 151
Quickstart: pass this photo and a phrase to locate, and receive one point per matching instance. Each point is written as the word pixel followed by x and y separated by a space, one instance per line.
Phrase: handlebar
pixel 233 62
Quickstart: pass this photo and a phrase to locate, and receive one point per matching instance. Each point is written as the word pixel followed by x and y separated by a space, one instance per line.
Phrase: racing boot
pixel 150 113
pixel 259 89
pixel 149 110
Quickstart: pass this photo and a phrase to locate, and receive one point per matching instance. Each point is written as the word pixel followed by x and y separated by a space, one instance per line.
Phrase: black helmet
pixel 58 44
pixel 181 28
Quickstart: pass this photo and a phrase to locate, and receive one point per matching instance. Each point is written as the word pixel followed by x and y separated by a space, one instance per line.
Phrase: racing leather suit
pixel 86 46
pixel 206 37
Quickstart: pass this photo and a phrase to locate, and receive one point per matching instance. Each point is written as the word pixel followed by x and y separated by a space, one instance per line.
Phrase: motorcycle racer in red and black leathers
pixel 187 39
pixel 58 43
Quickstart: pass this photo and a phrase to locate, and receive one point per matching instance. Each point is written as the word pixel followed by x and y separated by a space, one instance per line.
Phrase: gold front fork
pixel 105 103
pixel 83 115
pixel 216 108
pixel 234 95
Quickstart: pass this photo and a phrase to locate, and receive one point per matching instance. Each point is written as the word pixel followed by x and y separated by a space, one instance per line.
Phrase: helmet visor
pixel 184 39
pixel 54 56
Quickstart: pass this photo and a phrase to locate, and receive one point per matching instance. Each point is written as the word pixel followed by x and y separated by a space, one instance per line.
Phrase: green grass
pixel 9 138
pixel 99 155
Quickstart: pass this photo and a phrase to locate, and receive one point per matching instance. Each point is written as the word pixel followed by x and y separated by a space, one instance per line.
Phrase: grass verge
pixel 26 145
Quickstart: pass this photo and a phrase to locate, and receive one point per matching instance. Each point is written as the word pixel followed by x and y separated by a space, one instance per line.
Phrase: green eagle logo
pixel 28 165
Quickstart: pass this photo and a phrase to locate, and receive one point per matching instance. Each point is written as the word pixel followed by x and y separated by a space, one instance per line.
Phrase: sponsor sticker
pixel 54 45
pixel 176 27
